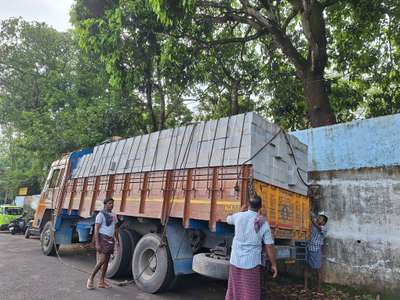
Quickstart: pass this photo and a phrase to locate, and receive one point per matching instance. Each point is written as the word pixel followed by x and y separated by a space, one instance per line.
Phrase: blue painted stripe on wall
pixel 358 144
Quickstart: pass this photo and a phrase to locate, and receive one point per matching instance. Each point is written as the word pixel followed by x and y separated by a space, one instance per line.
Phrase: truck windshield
pixel 13 211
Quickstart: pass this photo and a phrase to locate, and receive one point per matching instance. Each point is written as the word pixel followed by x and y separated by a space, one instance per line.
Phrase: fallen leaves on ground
pixel 290 291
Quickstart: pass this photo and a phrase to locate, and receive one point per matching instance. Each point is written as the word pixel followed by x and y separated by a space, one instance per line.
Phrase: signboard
pixel 22 191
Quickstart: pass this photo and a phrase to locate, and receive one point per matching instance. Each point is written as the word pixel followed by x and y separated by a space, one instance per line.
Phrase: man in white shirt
pixel 105 231
pixel 251 232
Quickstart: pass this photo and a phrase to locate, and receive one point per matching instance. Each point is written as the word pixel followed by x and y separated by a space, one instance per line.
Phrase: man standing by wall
pixel 105 231
pixel 251 231
pixel 313 250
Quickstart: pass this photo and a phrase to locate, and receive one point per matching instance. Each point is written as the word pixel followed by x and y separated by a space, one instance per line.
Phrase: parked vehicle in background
pixel 17 226
pixel 9 213
pixel 173 190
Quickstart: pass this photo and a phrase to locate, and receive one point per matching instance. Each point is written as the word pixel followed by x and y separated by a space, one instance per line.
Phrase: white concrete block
pixel 211 143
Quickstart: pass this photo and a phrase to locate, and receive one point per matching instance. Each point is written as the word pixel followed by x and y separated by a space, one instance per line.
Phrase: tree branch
pixel 327 3
pixel 244 39
pixel 218 5
pixel 281 39
pixel 225 70
pixel 293 13
pixel 271 11
pixel 250 16
pixel 244 44
pixel 228 16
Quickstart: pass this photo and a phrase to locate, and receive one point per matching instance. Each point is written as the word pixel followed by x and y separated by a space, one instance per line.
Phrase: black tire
pixel 208 266
pixel 120 262
pixel 135 237
pixel 47 240
pixel 152 265
pixel 13 231
pixel 27 234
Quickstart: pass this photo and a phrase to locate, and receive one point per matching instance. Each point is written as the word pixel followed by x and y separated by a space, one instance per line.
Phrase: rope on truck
pixel 164 232
pixel 52 232
pixel 285 134
pixel 238 156
pixel 298 169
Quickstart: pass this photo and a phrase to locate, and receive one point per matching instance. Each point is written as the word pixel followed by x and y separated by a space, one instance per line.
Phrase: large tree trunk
pixel 149 104
pixel 162 109
pixel 319 109
pixel 265 17
pixel 162 100
pixel 149 94
pixel 234 101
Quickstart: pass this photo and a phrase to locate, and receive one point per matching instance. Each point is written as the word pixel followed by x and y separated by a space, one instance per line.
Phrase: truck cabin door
pixel 54 187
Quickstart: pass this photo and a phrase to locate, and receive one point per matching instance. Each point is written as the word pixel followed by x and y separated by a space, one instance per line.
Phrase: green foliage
pixel 132 66
pixel 364 38
pixel 52 100
pixel 56 98
pixel 129 40
pixel 362 46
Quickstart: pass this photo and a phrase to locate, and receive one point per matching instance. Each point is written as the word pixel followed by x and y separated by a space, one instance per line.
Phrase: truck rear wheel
pixel 48 246
pixel 120 261
pixel 205 264
pixel 152 266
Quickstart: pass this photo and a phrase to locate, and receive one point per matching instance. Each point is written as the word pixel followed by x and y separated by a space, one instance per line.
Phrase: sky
pixel 53 12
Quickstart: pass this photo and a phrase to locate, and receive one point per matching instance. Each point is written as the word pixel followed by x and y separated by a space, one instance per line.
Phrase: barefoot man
pixel 104 233
pixel 251 232
pixel 313 249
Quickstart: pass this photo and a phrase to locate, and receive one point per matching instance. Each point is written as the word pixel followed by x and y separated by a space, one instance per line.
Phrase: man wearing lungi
pixel 313 249
pixel 251 231
pixel 105 233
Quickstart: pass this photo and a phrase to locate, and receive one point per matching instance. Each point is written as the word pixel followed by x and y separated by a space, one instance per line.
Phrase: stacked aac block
pixel 231 141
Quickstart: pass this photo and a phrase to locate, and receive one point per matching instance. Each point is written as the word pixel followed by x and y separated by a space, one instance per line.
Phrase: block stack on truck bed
pixel 180 185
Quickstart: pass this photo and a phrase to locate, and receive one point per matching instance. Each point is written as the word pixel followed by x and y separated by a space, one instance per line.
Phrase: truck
pixel 9 213
pixel 173 190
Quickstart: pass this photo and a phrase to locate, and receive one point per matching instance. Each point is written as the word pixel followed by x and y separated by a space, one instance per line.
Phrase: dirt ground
pixel 290 289
pixel 25 273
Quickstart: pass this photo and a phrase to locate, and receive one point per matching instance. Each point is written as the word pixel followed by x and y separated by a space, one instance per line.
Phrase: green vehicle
pixel 8 213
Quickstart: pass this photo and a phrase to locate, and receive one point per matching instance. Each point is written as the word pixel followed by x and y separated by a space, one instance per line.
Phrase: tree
pixel 224 79
pixel 55 99
pixel 308 54
pixel 128 39
pixel 305 33
pixel 51 103
pixel 364 38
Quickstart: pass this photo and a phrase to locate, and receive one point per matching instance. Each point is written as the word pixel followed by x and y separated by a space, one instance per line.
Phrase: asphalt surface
pixel 25 273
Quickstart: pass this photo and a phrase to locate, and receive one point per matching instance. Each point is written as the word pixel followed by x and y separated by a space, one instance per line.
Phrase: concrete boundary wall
pixel 357 166
pixel 363 247
pixel 365 143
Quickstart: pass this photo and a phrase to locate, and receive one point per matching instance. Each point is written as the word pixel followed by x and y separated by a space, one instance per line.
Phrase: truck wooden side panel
pixel 201 171
pixel 209 194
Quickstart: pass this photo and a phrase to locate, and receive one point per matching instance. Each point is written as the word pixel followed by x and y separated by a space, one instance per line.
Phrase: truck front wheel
pixel 49 248
pixel 152 265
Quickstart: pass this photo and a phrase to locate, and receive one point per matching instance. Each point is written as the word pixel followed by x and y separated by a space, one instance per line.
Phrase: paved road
pixel 25 273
